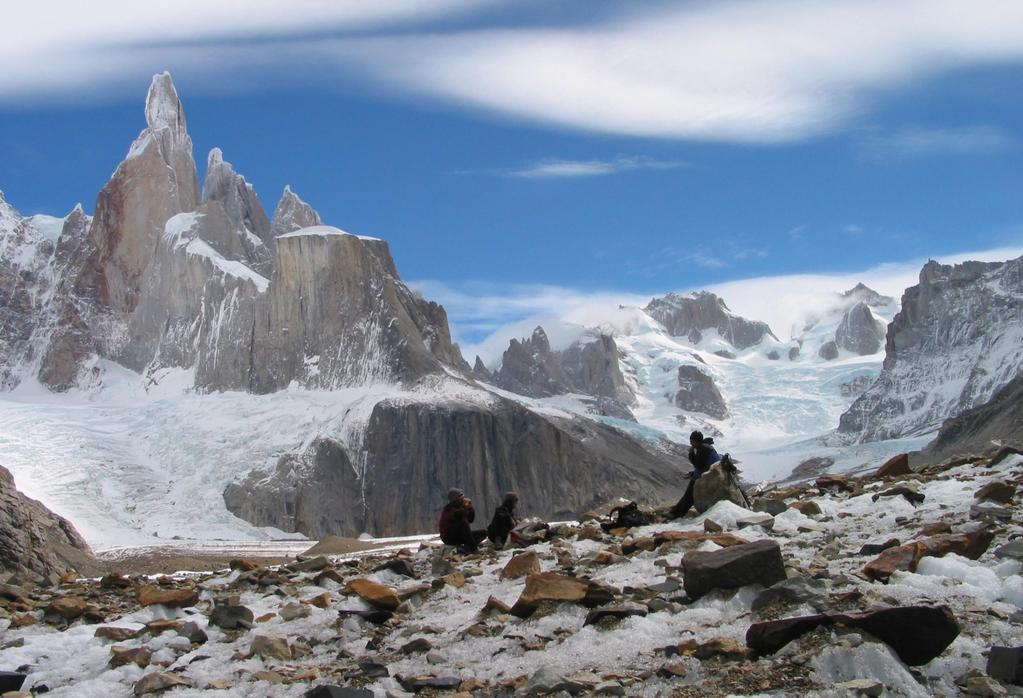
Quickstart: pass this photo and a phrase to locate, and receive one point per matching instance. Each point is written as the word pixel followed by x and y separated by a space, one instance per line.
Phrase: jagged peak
pixel 163 108
pixel 215 158
pixel 292 213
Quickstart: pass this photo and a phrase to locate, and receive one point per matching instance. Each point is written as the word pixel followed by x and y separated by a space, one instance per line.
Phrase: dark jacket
pixel 502 524
pixel 455 517
pixel 702 457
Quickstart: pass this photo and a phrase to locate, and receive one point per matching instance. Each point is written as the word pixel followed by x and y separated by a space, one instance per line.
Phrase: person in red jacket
pixel 454 522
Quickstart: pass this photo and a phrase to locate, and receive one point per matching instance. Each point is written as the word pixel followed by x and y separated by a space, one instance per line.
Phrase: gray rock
pixel 624 610
pixel 688 315
pixel 794 590
pixel 231 617
pixel 715 486
pixel 828 351
pixel 338 692
pixel 239 200
pixel 1006 664
pixel 759 562
pixel 36 542
pixel 698 393
pixel 1012 550
pixel 292 214
pixel 550 679
pixel 860 332
pixel 952 326
pixel 770 506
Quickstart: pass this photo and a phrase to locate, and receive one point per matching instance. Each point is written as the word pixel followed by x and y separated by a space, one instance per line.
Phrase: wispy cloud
pixel 570 169
pixel 707 261
pixel 919 142
pixel 769 71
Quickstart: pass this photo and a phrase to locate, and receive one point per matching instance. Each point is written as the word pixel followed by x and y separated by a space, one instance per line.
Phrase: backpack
pixel 627 516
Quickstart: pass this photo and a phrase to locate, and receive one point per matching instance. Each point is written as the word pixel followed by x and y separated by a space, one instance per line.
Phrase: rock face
pixel 395 478
pixel 589 366
pixel 692 314
pixel 240 204
pixel 960 328
pixel 976 430
pixel 292 214
pixel 860 332
pixel 698 393
pixel 36 541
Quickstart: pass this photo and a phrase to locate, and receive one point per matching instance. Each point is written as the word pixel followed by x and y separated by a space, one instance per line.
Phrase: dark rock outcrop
pixel 959 328
pixel 860 332
pixel 394 478
pixel 917 634
pixel 828 351
pixel 691 314
pixel 980 429
pixel 759 562
pixel 698 393
pixel 34 540
pixel 292 214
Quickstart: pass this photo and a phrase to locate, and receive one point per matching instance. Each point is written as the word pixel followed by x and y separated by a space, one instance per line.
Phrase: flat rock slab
pixel 158 682
pixel 172 598
pixel 792 591
pixel 996 491
pixel 397 565
pixel 338 692
pixel 907 557
pixel 878 548
pixel 521 565
pixel 1010 551
pixel 908 493
pixel 552 587
pixel 1006 664
pixel 917 634
pixel 753 563
pixel 375 594
pixel 621 611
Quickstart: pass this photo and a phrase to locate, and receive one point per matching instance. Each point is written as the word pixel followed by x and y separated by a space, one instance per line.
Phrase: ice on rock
pixel 163 108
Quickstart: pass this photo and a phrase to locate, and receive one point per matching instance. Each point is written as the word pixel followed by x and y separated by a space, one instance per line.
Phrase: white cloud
pixel 562 169
pixel 486 316
pixel 733 70
pixel 918 142
pixel 706 261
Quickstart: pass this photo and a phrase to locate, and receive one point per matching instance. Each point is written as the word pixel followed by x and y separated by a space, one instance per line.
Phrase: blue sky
pixel 508 148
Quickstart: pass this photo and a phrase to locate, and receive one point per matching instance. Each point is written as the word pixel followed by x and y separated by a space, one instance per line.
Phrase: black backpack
pixel 627 516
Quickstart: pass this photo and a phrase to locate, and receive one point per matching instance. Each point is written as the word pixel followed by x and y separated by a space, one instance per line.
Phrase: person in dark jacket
pixel 504 520
pixel 454 522
pixel 701 455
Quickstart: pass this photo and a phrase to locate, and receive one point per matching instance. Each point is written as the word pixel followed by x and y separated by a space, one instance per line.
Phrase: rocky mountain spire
pixel 292 214
pixel 689 315
pixel 237 196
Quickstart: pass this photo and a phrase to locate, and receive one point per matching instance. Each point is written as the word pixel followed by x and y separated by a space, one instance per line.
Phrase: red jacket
pixel 453 516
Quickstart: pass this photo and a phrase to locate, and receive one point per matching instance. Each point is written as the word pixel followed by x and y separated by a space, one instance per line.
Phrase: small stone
pixel 270 647
pixel 314 564
pixel 114 581
pixel 231 617
pixel 119 656
pixel 609 688
pixel 338 692
pixel 320 601
pixel 521 565
pixel 219 685
pixel 711 526
pixel 455 579
pixel 878 548
pixel 157 682
pixel 68 607
pixel 808 508
pixel 862 687
pixel 420 644
pixel 984 686
pixel 436 658
pixel 619 611
pixel 293 611
pixel 1006 664
pixel 1012 550
pixel 398 566
pixel 269 676
pixel 375 594
pixel 193 633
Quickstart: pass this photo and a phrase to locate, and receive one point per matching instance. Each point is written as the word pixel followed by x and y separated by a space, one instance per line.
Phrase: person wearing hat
pixel 504 520
pixel 455 518
pixel 701 455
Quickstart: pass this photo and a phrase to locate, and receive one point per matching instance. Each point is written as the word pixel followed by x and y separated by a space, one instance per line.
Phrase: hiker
pixel 455 518
pixel 506 529
pixel 702 455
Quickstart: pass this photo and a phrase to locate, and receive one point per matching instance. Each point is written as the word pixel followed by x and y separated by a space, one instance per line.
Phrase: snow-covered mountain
pixel 956 341
pixel 176 312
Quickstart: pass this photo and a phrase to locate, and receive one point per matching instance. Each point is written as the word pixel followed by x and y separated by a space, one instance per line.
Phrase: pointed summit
pixel 236 195
pixel 292 214
pixel 163 108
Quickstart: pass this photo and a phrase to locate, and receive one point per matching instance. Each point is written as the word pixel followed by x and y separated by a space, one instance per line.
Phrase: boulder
pixel 375 594
pixel 698 393
pixel 759 562
pixel 877 548
pixel 231 616
pixel 715 486
pixel 1012 550
pixel 270 647
pixel 795 590
pixel 551 587
pixel 917 634
pixel 172 598
pixel 828 351
pixel 770 505
pixel 908 493
pixel 807 508
pixel 521 565
pixel 834 482
pixel 997 491
pixel 906 557
pixel 1006 664
pixel 894 467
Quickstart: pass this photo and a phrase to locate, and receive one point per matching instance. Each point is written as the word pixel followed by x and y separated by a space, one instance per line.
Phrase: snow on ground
pixel 74 663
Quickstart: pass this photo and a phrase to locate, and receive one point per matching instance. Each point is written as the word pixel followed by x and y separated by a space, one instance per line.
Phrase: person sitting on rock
pixel 455 518
pixel 701 455
pixel 506 529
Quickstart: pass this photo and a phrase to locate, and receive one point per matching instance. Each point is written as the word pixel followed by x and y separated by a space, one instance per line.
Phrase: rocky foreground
pixel 899 583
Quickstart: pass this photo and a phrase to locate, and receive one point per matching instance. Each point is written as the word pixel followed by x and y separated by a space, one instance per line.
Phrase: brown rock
pixel 455 579
pixel 375 594
pixel 834 482
pixel 726 647
pixel 495 604
pixel 712 526
pixel 808 508
pixel 520 565
pixel 68 607
pixel 998 491
pixel 172 598
pixel 119 656
pixel 895 466
pixel 157 682
pixel 907 557
pixel 553 587
pixel 270 647
pixel 115 581
pixel 110 632
pixel 320 601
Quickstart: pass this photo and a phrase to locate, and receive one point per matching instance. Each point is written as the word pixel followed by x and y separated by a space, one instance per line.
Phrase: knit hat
pixel 696 436
pixel 454 494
